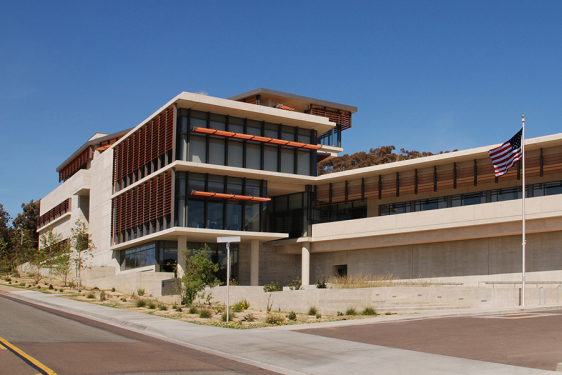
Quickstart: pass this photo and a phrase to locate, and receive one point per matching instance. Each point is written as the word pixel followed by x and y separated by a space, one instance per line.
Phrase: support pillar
pixel 182 243
pixel 254 262
pixel 305 276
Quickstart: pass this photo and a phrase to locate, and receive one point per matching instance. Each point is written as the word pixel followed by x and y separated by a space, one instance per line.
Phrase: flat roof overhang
pixel 292 97
pixel 221 106
pixel 199 235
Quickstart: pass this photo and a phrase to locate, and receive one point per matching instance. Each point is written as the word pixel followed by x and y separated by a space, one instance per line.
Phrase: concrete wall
pixel 453 259
pixel 278 267
pixel 395 299
pixel 126 282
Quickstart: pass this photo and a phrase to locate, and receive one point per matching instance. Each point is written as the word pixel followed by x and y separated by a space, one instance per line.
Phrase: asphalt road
pixel 67 344
pixel 526 339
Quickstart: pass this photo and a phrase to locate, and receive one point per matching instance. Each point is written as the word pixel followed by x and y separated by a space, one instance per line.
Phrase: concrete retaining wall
pixel 395 299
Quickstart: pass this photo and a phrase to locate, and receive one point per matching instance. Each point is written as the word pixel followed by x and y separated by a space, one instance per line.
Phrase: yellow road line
pixel 29 358
pixel 2 347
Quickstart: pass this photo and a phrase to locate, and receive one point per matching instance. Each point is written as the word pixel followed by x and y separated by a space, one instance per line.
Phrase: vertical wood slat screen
pixel 142 204
pixel 61 208
pixel 465 176
pixel 148 143
pixel 75 165
pixel 342 118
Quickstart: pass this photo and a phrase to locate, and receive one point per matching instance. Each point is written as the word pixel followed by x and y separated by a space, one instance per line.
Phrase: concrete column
pixel 254 262
pixel 305 263
pixel 182 243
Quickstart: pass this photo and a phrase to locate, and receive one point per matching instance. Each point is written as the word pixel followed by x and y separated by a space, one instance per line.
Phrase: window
pixel 287 160
pixel 216 150
pixel 253 155
pixel 303 162
pixel 236 153
pixel 198 149
pixel 141 256
pixel 270 158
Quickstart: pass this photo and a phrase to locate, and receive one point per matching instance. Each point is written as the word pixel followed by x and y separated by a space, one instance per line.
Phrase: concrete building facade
pixel 202 167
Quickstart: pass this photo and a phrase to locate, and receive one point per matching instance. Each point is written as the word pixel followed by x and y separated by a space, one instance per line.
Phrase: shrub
pixel 179 309
pixel 141 303
pixel 296 284
pixel 204 313
pixel 274 319
pixel 388 313
pixel 318 316
pixel 312 311
pixel 351 311
pixel 369 311
pixel 16 281
pixel 231 315
pixel 38 286
pixel 321 284
pixel 61 290
pixel 249 317
pixel 90 296
pixel 51 287
pixel 199 273
pixel 241 306
pixel 7 279
pixel 151 305
pixel 45 283
pixel 193 310
pixel 123 299
pixel 102 296
pixel 140 292
pixel 292 315
pixel 71 284
pixel 271 287
pixel 162 306
pixel 96 288
pixel 175 306
pixel 113 290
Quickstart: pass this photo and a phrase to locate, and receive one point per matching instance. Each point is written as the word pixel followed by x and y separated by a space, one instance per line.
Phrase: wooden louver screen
pixel 151 141
pixel 339 117
pixel 59 209
pixel 142 204
pixel 434 179
pixel 74 165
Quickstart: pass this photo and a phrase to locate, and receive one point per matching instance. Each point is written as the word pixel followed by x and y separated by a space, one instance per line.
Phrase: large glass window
pixel 287 160
pixel 168 258
pixel 303 162
pixel 216 151
pixel 236 125
pixel 253 155
pixel 140 256
pixel 196 213
pixel 270 158
pixel 252 217
pixel 198 119
pixel 235 153
pixel 234 215
pixel 271 130
pixel 215 214
pixel 254 127
pixel 216 184
pixel 217 122
pixel 198 149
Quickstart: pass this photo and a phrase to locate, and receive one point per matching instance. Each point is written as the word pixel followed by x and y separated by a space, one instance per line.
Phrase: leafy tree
pixel 375 156
pixel 199 273
pixel 82 247
pixel 27 220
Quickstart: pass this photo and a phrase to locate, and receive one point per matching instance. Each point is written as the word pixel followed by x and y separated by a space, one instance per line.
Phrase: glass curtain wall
pixel 212 213
pixel 217 253
pixel 244 154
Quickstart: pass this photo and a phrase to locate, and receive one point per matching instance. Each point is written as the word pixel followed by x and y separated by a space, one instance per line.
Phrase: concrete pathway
pixel 285 350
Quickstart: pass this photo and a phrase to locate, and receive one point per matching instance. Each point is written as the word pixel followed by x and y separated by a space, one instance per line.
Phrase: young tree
pixel 82 247
pixel 53 247
pixel 199 273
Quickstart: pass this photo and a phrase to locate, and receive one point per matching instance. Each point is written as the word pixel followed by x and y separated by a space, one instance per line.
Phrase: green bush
pixel 102 296
pixel 204 313
pixel 38 286
pixel 61 290
pixel 175 306
pixel 312 311
pixel 271 287
pixel 318 316
pixel 141 303
pixel 241 306
pixel 123 299
pixel 321 284
pixel 351 311
pixel 90 296
pixel 51 287
pixel 274 319
pixel 193 310
pixel 151 305
pixel 292 315
pixel 113 290
pixel 162 306
pixel 369 311
pixel 296 284
pixel 199 273
pixel 388 313
pixel 8 279
pixel 140 292
pixel 231 315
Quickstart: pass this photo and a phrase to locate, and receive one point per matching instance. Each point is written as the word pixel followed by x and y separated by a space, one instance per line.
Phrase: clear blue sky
pixel 425 75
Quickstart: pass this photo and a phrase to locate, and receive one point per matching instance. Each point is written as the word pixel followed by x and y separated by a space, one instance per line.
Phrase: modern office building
pixel 202 167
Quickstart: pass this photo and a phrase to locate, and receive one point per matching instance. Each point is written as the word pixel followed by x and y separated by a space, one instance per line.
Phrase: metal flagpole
pixel 523 211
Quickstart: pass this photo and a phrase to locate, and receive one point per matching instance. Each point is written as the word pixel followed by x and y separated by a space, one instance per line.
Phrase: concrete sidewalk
pixel 284 349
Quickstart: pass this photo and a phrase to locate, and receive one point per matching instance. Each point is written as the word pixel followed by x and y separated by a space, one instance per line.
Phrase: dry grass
pixel 370 281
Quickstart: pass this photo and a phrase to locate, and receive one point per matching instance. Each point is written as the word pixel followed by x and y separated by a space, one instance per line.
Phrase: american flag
pixel 507 154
